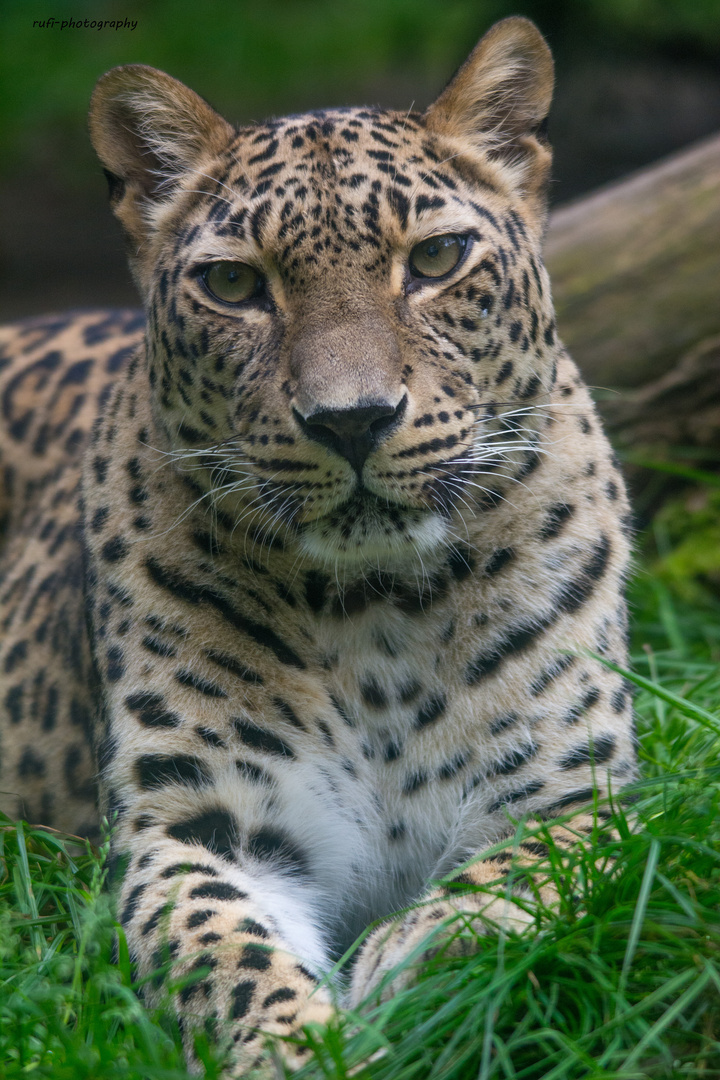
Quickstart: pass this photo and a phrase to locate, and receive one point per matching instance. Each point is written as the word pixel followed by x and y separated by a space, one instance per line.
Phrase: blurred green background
pixel 636 80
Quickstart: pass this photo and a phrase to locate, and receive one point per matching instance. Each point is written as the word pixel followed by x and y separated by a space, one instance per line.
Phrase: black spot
pixel 253 773
pixel 543 680
pixel 589 698
pixel 156 770
pixel 431 202
pixel 315 586
pixel 99 518
pixel 306 973
pixel 115 663
pixel 13 703
pixel 517 795
pixel 217 890
pixel 117 359
pixel 30 764
pixel 188 868
pixel 498 560
pixel 202 962
pixel 517 640
pixel 555 520
pixel 249 926
pixel 454 766
pixel 209 736
pixel 210 938
pixel 242 996
pixel 234 666
pixel 16 655
pixel 431 710
pixel 504 372
pixel 513 761
pixel 618 701
pixel 131 904
pixel 409 691
pixel 596 751
pixel 274 845
pixel 400 204
pixel 160 648
pixel 503 722
pixel 533 847
pixel 461 563
pixel 288 712
pixel 151 710
pixel 196 682
pixel 373 694
pixel 582 795
pixel 100 467
pixel 393 750
pixel 576 592
pixel 216 829
pixel 198 918
pixel 115 549
pixel 257 957
pixel 283 993
pixel 269 152
pixel 532 460
pixel 414 782
pixel 530 389
pixel 258 738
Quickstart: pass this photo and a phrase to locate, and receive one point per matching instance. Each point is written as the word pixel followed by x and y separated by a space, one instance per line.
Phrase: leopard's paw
pixel 391 956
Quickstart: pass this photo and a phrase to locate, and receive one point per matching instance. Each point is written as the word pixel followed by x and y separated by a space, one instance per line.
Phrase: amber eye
pixel 232 282
pixel 437 256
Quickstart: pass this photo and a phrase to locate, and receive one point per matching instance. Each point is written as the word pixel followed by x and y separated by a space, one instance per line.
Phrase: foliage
pixel 622 982
pixel 253 58
pixel 687 537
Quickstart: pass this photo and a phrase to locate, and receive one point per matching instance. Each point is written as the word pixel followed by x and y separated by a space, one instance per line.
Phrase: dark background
pixel 636 79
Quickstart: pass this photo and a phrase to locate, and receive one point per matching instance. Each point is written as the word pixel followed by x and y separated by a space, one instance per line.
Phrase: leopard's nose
pixel 354 432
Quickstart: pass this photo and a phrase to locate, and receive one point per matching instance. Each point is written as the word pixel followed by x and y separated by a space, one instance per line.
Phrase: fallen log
pixel 636 277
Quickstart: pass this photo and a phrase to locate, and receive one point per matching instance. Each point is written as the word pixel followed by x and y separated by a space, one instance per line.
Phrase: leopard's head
pixel 350 331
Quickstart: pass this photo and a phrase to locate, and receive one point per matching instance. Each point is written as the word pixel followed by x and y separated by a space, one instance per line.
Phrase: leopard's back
pixel 55 374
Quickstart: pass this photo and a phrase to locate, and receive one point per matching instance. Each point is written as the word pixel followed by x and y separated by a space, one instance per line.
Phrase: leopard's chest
pixel 395 680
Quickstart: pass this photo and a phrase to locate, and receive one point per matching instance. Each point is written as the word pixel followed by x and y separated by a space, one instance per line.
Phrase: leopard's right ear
pixel 149 130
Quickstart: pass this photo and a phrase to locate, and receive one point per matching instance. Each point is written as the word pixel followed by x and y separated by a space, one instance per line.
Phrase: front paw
pixel 452 925
pixel 280 1046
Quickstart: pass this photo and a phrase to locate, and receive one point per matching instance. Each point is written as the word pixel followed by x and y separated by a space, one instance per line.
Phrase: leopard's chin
pixel 369 530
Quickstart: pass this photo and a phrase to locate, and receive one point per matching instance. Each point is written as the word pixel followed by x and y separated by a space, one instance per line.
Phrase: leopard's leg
pixel 502 891
pixel 247 951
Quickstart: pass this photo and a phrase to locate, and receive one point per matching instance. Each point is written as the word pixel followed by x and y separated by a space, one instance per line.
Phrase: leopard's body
pixel 348 544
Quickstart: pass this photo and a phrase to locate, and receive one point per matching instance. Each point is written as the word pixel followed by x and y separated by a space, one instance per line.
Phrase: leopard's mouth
pixel 367 527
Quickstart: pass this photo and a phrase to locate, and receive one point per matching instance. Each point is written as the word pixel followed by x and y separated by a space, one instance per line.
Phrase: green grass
pixel 622 982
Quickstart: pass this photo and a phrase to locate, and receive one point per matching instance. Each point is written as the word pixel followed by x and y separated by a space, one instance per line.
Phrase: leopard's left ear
pixel 498 102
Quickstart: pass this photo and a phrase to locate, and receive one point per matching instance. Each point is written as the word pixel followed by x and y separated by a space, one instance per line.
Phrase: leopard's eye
pixel 232 282
pixel 437 256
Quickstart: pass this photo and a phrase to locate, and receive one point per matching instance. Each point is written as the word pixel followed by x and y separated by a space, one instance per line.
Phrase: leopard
pixel 313 571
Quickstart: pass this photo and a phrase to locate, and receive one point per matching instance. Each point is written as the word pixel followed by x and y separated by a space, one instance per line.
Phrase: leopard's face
pixel 350 333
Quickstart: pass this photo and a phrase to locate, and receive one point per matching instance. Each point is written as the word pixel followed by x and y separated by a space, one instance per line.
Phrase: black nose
pixel 353 433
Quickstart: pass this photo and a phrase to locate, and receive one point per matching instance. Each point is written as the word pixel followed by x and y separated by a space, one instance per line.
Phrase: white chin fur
pixel 371 542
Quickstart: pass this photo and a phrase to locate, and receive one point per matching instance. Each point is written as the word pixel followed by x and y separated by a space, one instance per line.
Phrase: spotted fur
pixel 348 545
